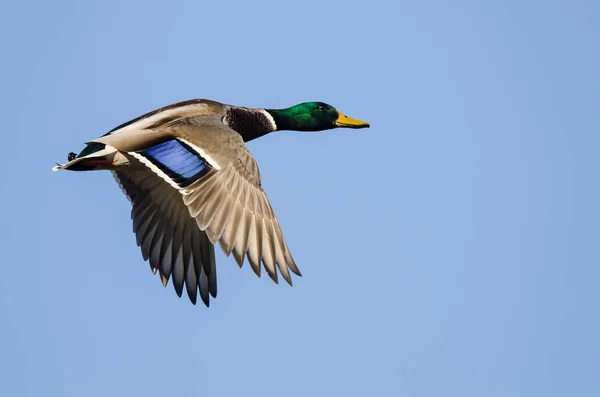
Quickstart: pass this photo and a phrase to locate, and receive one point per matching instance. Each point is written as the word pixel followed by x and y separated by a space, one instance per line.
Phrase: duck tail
pixel 95 156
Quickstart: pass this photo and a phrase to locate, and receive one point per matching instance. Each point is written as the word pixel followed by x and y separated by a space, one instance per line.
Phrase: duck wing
pixel 169 238
pixel 229 203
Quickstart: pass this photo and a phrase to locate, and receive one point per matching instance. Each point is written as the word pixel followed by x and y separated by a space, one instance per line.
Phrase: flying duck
pixel 192 182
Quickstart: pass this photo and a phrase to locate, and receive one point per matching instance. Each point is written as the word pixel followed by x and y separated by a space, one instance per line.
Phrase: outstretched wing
pixel 236 212
pixel 228 201
pixel 168 236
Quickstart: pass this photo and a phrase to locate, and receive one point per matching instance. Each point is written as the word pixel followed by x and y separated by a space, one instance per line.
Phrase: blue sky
pixel 451 249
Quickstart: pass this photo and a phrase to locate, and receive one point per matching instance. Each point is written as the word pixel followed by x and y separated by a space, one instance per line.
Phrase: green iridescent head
pixel 313 116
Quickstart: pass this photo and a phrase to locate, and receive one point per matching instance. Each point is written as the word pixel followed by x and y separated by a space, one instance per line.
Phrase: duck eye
pixel 321 108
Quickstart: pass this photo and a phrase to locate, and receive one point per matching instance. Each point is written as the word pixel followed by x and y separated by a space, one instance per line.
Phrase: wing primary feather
pixel 278 253
pixel 243 234
pixel 197 247
pixel 286 251
pixel 160 245
pixel 252 252
pixel 167 254
pixel 166 265
pixel 240 239
pixel 155 247
pixel 212 284
pixel 203 281
pixel 257 229
pixel 267 253
pixel 179 270
pixel 191 284
pixel 201 249
pixel 208 253
pixel 178 273
pixel 232 230
pixel 204 263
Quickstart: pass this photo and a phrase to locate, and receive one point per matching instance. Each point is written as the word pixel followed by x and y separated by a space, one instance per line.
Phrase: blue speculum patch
pixel 176 159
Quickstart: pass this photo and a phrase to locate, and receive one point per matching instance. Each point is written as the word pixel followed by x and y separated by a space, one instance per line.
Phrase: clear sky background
pixel 450 250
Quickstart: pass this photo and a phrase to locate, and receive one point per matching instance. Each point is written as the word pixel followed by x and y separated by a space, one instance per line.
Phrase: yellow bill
pixel 348 122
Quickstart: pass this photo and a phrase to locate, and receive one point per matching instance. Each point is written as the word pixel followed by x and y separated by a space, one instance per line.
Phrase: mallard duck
pixel 192 182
